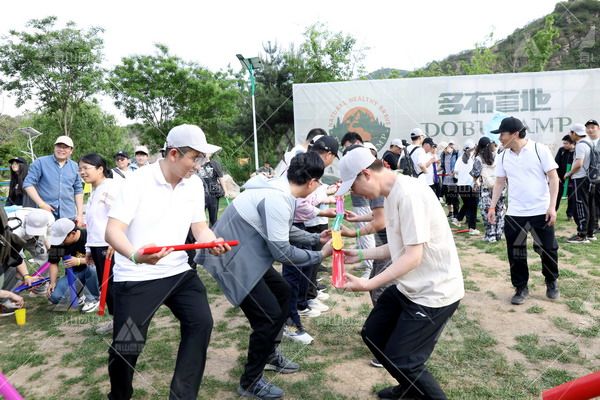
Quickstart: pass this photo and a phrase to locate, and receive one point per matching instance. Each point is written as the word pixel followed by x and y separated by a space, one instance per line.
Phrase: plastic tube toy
pixel 190 246
pixel 7 391
pixel 42 269
pixel 24 286
pixel 586 387
pixel 104 285
pixel 338 270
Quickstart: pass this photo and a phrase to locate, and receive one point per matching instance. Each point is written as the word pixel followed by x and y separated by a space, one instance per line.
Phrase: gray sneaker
pixel 552 291
pixel 277 362
pixel 261 390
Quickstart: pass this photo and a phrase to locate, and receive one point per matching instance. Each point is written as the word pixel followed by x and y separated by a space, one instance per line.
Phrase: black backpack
pixel 593 171
pixel 406 163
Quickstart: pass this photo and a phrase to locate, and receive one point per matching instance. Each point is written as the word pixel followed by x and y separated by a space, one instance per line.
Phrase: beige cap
pixel 64 140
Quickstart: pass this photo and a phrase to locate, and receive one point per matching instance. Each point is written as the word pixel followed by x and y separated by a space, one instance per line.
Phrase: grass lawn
pixel 489 350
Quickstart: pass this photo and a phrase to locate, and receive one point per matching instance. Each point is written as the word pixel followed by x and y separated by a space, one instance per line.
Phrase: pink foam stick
pixel 191 246
pixel 339 205
pixel 7 391
pixel 42 269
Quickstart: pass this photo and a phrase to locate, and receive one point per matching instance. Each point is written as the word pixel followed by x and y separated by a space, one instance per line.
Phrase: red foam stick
pixel 191 246
pixel 586 387
pixel 104 286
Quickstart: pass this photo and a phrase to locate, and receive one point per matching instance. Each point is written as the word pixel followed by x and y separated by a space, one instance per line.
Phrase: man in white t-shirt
pixel 416 152
pixel 430 162
pixel 157 207
pixel 409 316
pixel 581 185
pixel 531 170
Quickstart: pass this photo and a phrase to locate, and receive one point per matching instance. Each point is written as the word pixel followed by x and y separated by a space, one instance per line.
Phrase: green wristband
pixel 361 257
pixel 357 233
pixel 132 257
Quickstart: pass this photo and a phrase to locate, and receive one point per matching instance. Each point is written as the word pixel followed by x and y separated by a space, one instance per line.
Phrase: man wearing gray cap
pixel 157 207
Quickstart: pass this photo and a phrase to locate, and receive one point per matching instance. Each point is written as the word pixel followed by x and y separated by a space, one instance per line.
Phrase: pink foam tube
pixel 190 246
pixel 338 270
pixel 42 269
pixel 339 205
pixel 7 390
pixel 586 387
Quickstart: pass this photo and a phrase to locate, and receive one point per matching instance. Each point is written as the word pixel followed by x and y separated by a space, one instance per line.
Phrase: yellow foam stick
pixel 337 242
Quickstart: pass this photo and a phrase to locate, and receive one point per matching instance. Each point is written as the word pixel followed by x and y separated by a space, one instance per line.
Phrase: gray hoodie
pixel 261 219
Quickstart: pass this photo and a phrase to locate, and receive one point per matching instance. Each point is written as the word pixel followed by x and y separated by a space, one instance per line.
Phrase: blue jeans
pixel 87 277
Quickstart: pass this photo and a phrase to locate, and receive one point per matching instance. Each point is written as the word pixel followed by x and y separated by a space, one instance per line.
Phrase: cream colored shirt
pixel 414 216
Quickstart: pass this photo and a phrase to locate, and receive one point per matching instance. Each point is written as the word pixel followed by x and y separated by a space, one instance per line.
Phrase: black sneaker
pixel 577 239
pixel 520 295
pixel 277 362
pixel 392 393
pixel 552 291
pixel 261 390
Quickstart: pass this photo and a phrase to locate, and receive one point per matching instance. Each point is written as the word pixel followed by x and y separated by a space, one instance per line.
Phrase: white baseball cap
pixel 141 149
pixel 190 136
pixel 415 133
pixel 59 231
pixel 370 146
pixel 578 129
pixel 442 145
pixel 397 142
pixel 64 140
pixel 351 165
pixel 469 144
pixel 36 222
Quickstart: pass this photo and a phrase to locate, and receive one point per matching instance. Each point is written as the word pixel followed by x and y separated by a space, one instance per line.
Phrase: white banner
pixel 455 107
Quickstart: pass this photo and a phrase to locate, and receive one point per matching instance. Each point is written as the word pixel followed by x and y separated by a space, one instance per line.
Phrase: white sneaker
pixel 105 328
pixel 81 300
pixel 90 306
pixel 455 222
pixel 322 295
pixel 298 335
pixel 309 312
pixel 317 305
pixel 490 240
pixel 474 232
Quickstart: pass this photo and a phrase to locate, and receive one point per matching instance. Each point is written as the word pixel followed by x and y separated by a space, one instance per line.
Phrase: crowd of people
pixel 403 206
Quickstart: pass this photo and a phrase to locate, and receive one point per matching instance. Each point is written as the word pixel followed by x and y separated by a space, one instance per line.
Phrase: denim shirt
pixel 56 185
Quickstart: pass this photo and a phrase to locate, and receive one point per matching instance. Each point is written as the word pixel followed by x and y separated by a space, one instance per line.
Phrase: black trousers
pixel 544 243
pixel 135 305
pixel 402 335
pixel 267 308
pixel 298 278
pixel 99 257
pixel 311 291
pixel 470 199
pixel 211 203
pixel 570 198
pixel 450 192
pixel 584 207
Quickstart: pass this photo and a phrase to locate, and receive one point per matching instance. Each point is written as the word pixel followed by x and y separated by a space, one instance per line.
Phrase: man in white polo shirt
pixel 531 171
pixel 157 207
pixel 407 320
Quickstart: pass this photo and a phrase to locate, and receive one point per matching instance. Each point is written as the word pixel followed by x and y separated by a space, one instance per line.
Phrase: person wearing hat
pixel 484 173
pixel 16 193
pixel 416 153
pixel 53 182
pixel 211 173
pixel 66 239
pixel 582 190
pixel 31 225
pixel 141 157
pixel 531 171
pixel 261 216
pixel 427 283
pixel 158 206
pixel 123 169
pixel 431 161
pixel 448 158
pixel 393 155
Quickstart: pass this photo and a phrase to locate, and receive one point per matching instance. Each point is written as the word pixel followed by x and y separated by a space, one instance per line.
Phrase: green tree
pixel 483 60
pixel 93 131
pixel 542 46
pixel 163 90
pixel 58 67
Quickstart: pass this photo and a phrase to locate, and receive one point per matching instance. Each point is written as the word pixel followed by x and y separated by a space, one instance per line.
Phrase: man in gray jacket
pixel 261 218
